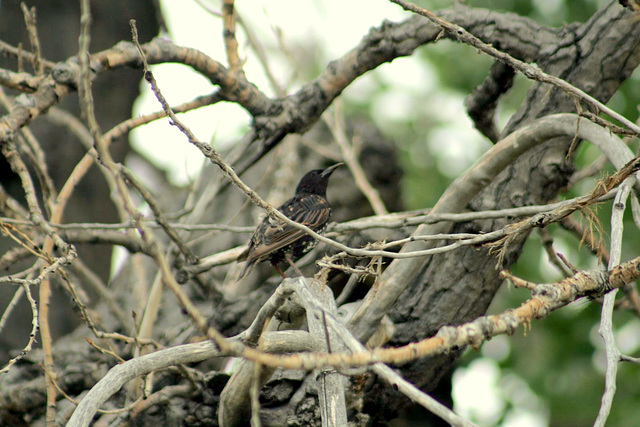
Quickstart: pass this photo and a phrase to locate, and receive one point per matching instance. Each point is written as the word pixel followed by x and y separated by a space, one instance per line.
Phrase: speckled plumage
pixel 275 241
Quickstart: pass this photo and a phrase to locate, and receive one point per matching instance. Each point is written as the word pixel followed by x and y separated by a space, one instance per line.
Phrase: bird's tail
pixel 246 269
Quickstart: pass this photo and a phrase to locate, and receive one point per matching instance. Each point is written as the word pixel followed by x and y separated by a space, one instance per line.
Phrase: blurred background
pixel 552 375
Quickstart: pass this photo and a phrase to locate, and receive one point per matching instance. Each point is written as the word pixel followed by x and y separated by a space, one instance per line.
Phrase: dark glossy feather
pixel 308 209
pixel 273 240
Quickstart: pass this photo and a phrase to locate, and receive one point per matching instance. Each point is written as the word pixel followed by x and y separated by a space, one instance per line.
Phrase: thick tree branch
pixel 529 70
pixel 401 273
pixel 273 119
pixel 545 298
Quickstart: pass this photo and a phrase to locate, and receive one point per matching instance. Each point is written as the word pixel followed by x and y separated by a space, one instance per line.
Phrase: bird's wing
pixel 272 235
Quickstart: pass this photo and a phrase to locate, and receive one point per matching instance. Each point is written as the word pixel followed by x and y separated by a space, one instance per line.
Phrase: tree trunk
pixel 450 288
pixel 458 286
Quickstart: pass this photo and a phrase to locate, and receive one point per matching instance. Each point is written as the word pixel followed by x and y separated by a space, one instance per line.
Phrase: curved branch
pixel 233 86
pixel 545 298
pixel 273 119
pixel 531 71
pixel 400 273
pixel 119 375
pixel 521 37
pixel 482 102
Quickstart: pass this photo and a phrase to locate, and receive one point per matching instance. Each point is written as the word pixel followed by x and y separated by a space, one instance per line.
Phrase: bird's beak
pixel 328 171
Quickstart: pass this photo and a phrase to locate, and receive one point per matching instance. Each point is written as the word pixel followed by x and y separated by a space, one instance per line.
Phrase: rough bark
pixel 459 286
pixel 596 56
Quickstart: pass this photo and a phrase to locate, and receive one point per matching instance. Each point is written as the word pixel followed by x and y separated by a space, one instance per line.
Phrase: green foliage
pixel 560 358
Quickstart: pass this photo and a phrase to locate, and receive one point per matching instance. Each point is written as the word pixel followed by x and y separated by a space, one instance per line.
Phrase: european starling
pixel 277 242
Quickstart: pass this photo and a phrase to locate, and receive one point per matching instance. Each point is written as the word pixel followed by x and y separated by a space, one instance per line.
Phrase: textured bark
pixel 459 286
pixel 452 288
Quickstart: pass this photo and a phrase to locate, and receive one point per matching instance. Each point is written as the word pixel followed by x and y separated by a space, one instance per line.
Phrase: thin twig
pixel 554 257
pixel 32 30
pixel 15 52
pixel 625 358
pixel 350 156
pixel 12 304
pixel 531 71
pixel 127 225
pixel 157 212
pixel 32 334
pixel 606 322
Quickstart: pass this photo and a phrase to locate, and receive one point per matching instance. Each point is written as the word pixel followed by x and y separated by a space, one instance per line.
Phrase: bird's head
pixel 315 181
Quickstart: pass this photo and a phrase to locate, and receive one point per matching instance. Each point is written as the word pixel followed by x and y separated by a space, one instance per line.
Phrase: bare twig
pixel 606 124
pixel 350 156
pixel 606 323
pixel 159 215
pixel 531 71
pixel 30 21
pixel 12 304
pixel 32 334
pixel 625 358
pixel 95 226
pixel 15 52
pixel 554 257
pixel 347 290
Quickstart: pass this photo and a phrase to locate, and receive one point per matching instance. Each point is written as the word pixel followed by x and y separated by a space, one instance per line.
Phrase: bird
pixel 633 5
pixel 278 242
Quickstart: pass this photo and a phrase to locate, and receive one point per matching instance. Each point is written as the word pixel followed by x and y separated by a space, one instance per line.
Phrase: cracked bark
pixel 596 57
pixel 444 293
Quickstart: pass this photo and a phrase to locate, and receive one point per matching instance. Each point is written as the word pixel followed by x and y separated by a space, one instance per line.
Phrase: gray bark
pixel 596 56
pixel 453 288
